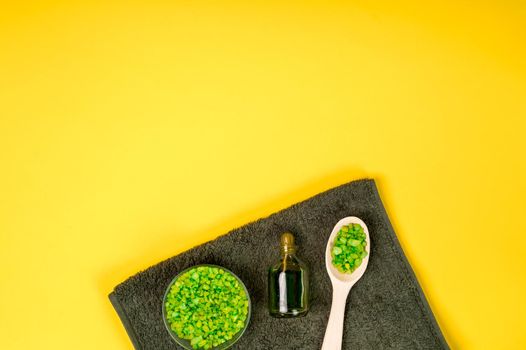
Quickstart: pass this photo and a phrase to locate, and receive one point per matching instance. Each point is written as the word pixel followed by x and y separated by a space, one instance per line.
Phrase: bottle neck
pixel 288 251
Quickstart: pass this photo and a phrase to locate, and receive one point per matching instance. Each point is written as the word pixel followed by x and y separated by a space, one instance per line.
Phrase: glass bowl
pixel 186 343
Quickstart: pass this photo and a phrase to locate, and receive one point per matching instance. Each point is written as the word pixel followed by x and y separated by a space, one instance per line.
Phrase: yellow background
pixel 131 131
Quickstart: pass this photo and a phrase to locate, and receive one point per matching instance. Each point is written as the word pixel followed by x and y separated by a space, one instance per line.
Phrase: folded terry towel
pixel 386 309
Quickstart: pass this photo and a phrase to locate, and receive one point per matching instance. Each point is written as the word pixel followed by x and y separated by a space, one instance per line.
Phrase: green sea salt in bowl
pixel 206 307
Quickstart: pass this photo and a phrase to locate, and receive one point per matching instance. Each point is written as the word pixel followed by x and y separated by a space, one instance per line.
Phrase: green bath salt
pixel 207 306
pixel 349 246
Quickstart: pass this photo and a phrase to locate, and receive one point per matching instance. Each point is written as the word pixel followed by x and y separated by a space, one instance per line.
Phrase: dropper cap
pixel 287 243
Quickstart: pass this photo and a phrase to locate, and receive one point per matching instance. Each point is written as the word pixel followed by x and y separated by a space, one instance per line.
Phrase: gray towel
pixel 386 309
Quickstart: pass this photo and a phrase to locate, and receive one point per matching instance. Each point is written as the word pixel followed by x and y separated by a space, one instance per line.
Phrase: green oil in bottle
pixel 288 282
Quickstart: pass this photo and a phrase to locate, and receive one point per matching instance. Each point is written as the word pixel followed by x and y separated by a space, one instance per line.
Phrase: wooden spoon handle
pixel 334 331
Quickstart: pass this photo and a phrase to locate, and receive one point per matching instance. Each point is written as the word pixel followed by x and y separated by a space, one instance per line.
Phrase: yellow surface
pixel 131 131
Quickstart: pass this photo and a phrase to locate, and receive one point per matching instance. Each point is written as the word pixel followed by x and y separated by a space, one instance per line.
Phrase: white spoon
pixel 341 285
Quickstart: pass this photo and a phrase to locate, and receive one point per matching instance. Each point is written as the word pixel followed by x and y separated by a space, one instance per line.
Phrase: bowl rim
pixel 185 343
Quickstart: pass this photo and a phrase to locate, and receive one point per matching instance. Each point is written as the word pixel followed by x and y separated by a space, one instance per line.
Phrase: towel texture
pixel 386 309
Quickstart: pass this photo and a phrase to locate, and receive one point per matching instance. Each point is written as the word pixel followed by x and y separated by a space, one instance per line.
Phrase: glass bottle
pixel 288 282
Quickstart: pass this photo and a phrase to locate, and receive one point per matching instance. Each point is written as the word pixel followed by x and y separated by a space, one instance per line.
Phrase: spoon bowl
pixel 341 285
pixel 334 274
